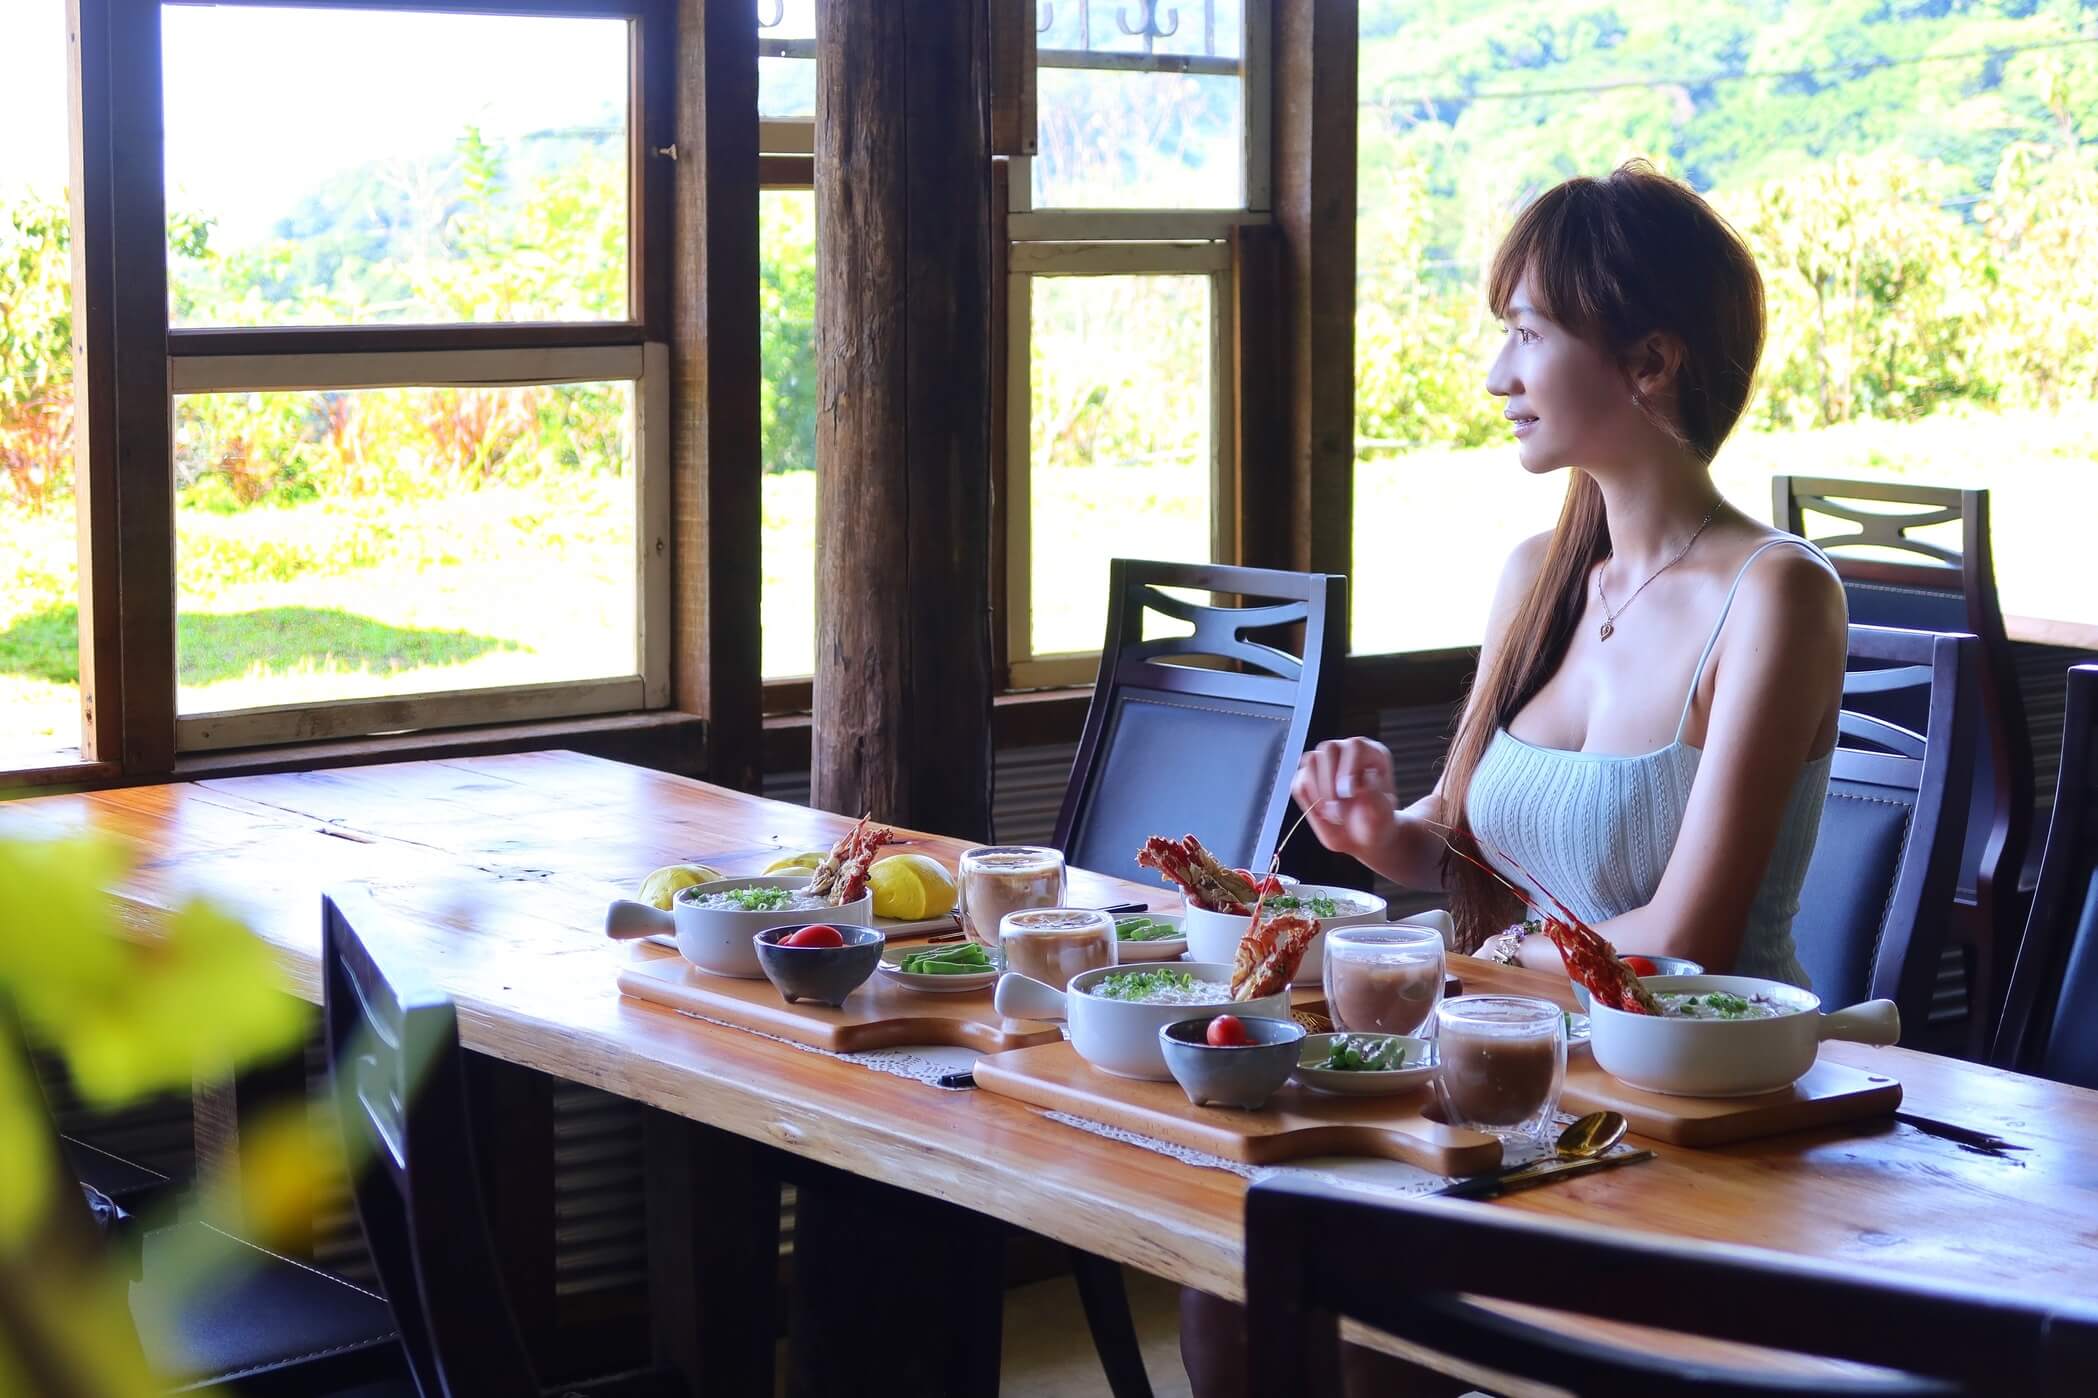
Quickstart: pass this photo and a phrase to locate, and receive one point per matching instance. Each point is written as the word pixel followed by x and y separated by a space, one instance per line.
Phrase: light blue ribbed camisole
pixel 1597 829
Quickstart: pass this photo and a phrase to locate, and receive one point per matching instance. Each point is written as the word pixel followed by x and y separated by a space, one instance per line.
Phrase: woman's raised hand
pixel 1345 787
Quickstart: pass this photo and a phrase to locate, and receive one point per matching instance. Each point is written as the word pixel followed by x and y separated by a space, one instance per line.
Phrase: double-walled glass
pixel 1000 879
pixel 1383 978
pixel 1503 1063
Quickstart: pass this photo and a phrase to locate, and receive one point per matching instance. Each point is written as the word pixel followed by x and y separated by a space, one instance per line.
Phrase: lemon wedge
pixel 911 887
pixel 790 863
pixel 660 887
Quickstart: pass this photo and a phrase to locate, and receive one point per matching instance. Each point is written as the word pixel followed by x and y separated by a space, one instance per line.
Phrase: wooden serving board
pixel 880 1014
pixel 1830 1093
pixel 1297 1122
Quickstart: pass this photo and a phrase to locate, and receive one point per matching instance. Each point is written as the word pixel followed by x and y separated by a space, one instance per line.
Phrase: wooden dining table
pixel 497 871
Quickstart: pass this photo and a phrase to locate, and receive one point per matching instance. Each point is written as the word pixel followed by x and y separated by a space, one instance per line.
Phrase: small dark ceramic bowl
pixel 1235 1075
pixel 823 974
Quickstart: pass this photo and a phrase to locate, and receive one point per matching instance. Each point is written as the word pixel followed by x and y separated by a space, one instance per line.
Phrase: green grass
pixel 515 585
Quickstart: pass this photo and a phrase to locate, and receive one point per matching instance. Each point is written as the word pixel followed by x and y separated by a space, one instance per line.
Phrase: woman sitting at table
pixel 1650 732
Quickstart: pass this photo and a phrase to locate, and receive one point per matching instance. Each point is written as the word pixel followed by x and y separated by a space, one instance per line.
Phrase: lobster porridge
pixel 1055 944
pixel 1002 879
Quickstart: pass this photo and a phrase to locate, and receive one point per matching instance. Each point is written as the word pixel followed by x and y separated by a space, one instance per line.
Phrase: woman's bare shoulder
pixel 1793 595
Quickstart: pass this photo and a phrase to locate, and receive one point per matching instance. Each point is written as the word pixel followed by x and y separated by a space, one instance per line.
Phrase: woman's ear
pixel 1654 363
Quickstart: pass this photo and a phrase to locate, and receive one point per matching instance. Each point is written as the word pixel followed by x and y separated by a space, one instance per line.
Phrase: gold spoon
pixel 1589 1136
pixel 1585 1138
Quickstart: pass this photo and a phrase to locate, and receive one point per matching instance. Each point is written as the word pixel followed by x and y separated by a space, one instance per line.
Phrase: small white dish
pixel 891 966
pixel 1158 949
pixel 1419 1071
pixel 1578 1030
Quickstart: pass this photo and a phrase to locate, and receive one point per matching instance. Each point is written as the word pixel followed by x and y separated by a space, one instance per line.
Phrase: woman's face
pixel 1569 403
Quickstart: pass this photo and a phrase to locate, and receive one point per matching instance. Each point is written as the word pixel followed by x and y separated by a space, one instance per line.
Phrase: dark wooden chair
pixel 1201 732
pixel 214 1311
pixel 2050 1019
pixel 1316 1252
pixel 1194 733
pixel 1926 586
pixel 1873 911
pixel 400 1085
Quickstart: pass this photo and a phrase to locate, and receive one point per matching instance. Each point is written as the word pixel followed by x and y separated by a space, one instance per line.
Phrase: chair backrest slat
pixel 1317 1250
pixel 2050 1020
pixel 1200 733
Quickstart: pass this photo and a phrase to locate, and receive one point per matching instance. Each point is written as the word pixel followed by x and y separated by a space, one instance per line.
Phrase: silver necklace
pixel 1610 617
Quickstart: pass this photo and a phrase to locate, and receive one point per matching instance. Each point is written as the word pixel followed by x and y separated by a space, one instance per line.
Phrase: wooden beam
pixel 94 382
pixel 1314 188
pixel 1260 397
pixel 903 187
pixel 142 416
pixel 1013 128
pixel 716 467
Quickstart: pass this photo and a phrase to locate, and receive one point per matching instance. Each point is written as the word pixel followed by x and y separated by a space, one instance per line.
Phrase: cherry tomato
pixel 1641 966
pixel 822 934
pixel 1228 1031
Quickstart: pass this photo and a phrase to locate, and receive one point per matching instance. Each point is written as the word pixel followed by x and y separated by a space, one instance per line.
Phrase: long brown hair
pixel 1611 261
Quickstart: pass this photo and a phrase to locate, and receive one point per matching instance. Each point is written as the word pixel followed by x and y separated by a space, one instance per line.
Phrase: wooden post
pixel 903 642
pixel 717 472
pixel 1314 153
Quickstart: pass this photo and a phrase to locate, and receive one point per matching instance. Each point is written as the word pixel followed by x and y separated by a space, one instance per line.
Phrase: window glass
pixel 1121 440
pixel 787 331
pixel 786 58
pixel 1919 185
pixel 39 577
pixel 344 545
pixel 1140 104
pixel 415 168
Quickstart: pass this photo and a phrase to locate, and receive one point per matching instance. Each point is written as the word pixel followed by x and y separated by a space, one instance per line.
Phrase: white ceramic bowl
pixel 1663 966
pixel 1121 1036
pixel 1214 936
pixel 1729 1057
pixel 719 939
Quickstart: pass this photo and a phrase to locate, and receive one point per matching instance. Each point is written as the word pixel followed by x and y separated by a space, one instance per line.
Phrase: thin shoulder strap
pixel 1697 676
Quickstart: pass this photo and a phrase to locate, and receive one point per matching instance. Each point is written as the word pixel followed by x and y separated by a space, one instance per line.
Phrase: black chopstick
pixel 1979 1141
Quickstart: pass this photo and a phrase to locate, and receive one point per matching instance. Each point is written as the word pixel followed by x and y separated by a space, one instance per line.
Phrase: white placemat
pixel 926 1063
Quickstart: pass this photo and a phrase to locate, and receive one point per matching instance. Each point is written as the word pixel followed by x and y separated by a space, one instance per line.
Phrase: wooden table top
pixel 499 869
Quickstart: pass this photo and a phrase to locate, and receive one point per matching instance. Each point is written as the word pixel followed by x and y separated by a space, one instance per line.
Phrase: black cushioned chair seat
pixel 212 1309
pixel 127 1185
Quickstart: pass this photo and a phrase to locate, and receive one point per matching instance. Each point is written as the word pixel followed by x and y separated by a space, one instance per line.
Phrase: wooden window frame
pixel 351 357
pixel 1121 242
pixel 787 161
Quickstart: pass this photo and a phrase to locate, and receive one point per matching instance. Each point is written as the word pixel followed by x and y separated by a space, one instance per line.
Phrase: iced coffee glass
pixel 1000 879
pixel 1503 1063
pixel 1055 944
pixel 1383 979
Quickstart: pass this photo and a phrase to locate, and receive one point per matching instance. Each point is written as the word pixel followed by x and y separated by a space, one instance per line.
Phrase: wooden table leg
pixel 713 1255
pixel 893 1292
